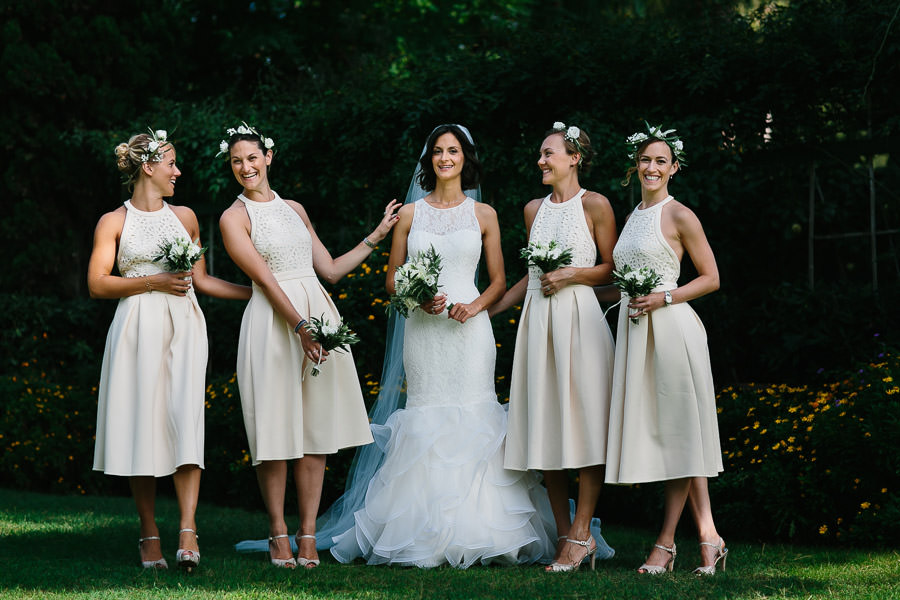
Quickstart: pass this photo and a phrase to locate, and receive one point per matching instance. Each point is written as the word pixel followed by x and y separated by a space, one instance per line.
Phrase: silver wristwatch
pixel 667 297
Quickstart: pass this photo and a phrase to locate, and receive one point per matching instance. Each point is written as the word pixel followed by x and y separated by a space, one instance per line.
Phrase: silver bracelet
pixel 368 243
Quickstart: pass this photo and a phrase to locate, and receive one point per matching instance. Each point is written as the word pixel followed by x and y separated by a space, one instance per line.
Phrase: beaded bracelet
pixel 368 243
pixel 299 325
pixel 147 283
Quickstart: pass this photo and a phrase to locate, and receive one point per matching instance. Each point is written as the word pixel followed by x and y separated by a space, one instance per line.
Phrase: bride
pixel 441 494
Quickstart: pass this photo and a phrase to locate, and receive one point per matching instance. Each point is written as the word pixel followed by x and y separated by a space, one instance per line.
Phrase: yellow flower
pixel 865 505
pixel 888 379
pixel 823 529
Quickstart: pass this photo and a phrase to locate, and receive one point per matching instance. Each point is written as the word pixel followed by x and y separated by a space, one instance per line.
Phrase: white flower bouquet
pixel 336 337
pixel 416 282
pixel 547 257
pixel 180 254
pixel 635 283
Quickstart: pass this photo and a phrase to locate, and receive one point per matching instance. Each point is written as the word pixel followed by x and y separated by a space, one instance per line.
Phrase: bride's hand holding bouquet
pixel 416 285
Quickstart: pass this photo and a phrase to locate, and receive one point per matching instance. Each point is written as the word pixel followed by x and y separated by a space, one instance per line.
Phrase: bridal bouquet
pixel 181 254
pixel 635 283
pixel 547 257
pixel 416 282
pixel 332 337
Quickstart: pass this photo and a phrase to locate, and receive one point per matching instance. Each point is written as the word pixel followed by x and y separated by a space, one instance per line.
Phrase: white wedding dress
pixel 442 495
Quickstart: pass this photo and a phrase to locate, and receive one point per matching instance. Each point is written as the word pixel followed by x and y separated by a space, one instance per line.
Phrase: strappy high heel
pixel 285 563
pixel 308 563
pixel 721 554
pixel 188 560
pixel 151 564
pixel 646 569
pixel 558 567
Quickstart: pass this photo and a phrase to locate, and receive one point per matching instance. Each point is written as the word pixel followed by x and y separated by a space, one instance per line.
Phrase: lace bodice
pixel 447 362
pixel 142 235
pixel 564 222
pixel 279 235
pixel 456 235
pixel 642 244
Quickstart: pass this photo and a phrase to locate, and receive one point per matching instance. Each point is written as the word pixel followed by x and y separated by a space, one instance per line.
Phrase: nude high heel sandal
pixel 152 564
pixel 188 560
pixel 285 563
pixel 309 563
pixel 558 567
pixel 646 569
pixel 721 554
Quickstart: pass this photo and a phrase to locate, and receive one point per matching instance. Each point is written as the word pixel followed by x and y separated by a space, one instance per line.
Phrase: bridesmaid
pixel 559 398
pixel 151 394
pixel 662 422
pixel 289 416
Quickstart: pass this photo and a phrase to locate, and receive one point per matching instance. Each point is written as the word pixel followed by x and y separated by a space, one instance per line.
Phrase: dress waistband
pixel 535 284
pixel 295 274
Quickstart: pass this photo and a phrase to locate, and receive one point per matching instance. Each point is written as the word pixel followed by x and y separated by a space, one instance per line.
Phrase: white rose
pixel 152 146
pixel 243 130
pixel 679 145
pixel 573 132
pixel 269 143
pixel 559 125
pixel 329 330
pixel 161 134
pixel 223 146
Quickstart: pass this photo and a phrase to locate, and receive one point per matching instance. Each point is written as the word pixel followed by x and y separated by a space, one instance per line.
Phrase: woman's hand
pixel 387 222
pixel 176 284
pixel 311 348
pixel 436 305
pixel 556 280
pixel 646 304
pixel 463 312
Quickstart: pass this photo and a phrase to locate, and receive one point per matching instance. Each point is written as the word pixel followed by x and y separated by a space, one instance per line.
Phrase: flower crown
pixel 668 136
pixel 244 129
pixel 571 134
pixel 156 147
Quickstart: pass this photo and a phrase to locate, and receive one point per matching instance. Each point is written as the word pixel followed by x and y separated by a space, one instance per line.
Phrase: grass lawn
pixel 86 547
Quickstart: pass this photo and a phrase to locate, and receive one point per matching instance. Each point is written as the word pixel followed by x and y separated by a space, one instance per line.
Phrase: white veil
pixel 392 396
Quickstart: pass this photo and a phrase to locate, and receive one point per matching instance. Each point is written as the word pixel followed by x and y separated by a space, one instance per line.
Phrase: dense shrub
pixel 814 461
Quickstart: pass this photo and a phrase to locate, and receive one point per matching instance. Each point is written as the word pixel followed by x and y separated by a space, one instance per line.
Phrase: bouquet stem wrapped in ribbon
pixel 635 283
pixel 332 337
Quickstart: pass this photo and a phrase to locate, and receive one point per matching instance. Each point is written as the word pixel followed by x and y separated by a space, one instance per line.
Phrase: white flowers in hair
pixel 668 136
pixel 571 134
pixel 244 129
pixel 156 147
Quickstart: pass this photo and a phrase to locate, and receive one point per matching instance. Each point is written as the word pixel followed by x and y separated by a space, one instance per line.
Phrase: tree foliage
pixel 759 91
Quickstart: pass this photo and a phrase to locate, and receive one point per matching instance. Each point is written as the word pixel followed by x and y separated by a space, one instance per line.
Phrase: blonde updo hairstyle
pixel 130 157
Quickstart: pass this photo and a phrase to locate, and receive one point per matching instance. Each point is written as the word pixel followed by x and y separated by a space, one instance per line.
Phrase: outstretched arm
pixel 332 269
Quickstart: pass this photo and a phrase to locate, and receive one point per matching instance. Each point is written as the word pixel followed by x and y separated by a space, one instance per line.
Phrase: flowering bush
pixel 816 461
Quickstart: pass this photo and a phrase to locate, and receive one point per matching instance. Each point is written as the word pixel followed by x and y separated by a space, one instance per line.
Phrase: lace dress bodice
pixel 456 236
pixel 564 222
pixel 142 235
pixel 449 363
pixel 279 235
pixel 642 244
